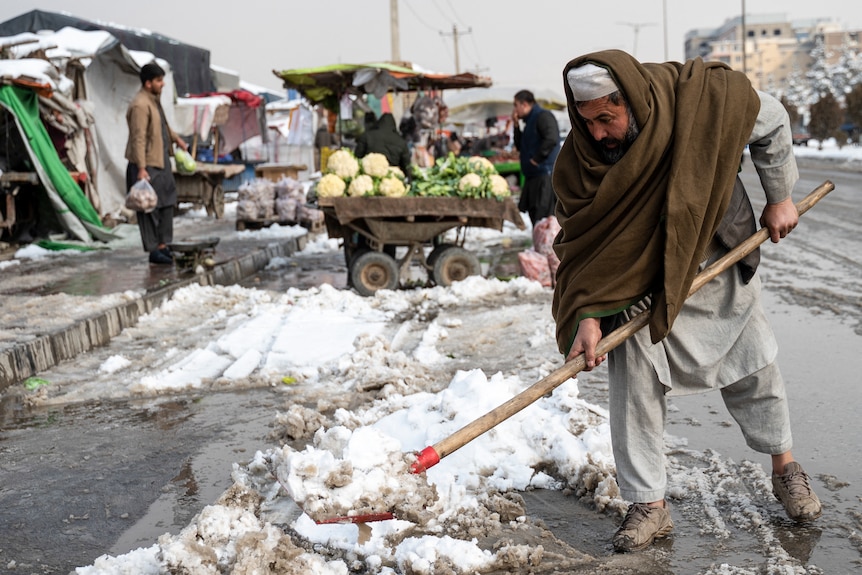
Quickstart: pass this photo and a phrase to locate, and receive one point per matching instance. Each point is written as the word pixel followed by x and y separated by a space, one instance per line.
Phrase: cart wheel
pixel 435 253
pixel 371 271
pixel 218 201
pixel 455 264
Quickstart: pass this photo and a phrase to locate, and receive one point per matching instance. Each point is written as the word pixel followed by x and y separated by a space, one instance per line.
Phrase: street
pixel 110 472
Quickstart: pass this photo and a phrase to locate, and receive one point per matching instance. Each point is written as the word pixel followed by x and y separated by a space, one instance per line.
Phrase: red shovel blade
pixel 426 458
pixel 367 518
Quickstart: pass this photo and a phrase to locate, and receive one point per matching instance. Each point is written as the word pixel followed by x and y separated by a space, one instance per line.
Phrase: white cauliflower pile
pixel 481 165
pixel 375 165
pixel 470 182
pixel 330 186
pixel 392 187
pixel 370 176
pixel 499 186
pixel 474 178
pixel 343 164
pixel 362 185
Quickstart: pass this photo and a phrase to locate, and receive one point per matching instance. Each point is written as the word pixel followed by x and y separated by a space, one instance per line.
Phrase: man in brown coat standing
pixel 148 151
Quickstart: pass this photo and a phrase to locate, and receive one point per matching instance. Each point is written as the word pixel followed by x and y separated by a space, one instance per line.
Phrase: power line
pixel 419 18
pixel 452 8
pixel 445 16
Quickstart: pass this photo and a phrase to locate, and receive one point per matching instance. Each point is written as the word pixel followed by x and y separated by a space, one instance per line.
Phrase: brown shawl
pixel 639 227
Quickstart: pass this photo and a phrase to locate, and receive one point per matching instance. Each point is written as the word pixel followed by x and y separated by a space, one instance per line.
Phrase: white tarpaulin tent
pixel 476 105
pixel 106 74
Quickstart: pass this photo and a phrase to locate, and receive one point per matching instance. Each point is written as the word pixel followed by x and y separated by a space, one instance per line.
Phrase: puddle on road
pixel 176 454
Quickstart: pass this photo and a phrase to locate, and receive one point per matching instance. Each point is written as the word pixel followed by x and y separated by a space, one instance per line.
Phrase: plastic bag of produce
pixel 142 197
pixel 285 207
pixel 185 163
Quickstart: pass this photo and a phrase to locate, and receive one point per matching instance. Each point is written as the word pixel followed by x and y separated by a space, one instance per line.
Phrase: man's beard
pixel 615 154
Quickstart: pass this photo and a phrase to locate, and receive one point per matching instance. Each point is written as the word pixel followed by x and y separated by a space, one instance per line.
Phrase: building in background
pixel 775 50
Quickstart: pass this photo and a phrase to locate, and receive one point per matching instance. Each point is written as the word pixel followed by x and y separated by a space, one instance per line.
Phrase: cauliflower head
pixel 395 172
pixel 330 186
pixel 499 186
pixel 469 182
pixel 361 185
pixel 480 165
pixel 375 165
pixel 343 164
pixel 392 188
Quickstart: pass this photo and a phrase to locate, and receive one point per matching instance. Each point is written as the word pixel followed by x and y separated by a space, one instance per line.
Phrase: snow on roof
pixel 35 69
pixel 24 37
pixel 66 42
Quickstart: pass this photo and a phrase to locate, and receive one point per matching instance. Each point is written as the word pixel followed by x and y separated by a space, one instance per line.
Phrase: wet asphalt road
pixel 79 481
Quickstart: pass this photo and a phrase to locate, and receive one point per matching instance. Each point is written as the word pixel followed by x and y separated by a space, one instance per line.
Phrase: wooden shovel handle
pixel 571 368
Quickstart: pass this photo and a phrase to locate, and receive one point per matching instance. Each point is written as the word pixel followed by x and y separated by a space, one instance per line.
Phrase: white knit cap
pixel 590 82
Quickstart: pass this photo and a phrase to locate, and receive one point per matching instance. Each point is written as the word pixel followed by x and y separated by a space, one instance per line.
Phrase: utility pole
pixel 744 38
pixel 397 99
pixel 636 28
pixel 455 33
pixel 395 33
pixel 664 25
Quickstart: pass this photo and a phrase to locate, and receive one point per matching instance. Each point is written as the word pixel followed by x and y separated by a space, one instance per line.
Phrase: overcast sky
pixel 523 43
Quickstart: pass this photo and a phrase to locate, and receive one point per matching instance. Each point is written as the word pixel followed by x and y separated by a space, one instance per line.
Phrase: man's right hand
pixel 143 174
pixel 588 336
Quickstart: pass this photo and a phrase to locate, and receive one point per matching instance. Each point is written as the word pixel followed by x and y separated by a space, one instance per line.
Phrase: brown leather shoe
pixel 793 489
pixel 642 525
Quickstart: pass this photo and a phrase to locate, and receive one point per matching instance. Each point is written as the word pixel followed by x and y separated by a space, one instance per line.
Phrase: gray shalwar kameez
pixel 721 339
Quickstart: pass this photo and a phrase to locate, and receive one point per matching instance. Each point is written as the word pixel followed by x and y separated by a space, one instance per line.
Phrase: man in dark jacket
pixel 385 139
pixel 539 144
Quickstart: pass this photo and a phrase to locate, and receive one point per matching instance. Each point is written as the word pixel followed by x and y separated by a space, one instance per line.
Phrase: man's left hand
pixel 779 219
pixel 182 144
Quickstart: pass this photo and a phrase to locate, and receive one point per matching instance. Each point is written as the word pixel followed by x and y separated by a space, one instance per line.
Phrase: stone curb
pixel 30 358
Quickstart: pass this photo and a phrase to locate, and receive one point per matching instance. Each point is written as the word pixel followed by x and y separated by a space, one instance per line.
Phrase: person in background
pixel 148 151
pixel 385 139
pixel 538 144
pixel 455 144
pixel 369 122
pixel 324 142
pixel 646 199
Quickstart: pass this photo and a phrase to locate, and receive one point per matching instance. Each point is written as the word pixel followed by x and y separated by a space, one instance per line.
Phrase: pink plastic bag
pixel 544 233
pixel 534 266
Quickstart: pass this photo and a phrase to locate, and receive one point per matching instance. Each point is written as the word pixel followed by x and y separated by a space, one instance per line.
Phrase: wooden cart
pixel 372 227
pixel 203 187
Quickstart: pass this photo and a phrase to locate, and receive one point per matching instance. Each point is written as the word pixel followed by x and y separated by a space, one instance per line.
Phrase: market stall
pixel 327 85
pixel 371 228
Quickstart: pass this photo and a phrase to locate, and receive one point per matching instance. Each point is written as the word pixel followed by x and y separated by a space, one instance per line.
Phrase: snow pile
pixel 359 459
pixel 359 464
pixel 360 473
